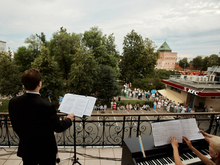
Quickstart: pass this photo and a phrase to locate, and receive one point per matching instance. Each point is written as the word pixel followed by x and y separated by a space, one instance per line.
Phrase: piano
pixel 163 155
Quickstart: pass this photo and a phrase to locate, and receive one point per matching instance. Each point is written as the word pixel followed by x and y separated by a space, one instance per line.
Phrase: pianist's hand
pixel 174 142
pixel 206 135
pixel 188 142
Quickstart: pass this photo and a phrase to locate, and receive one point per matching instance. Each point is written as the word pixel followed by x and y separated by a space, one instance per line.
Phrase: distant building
pixel 167 58
pixel 194 90
pixel 3 46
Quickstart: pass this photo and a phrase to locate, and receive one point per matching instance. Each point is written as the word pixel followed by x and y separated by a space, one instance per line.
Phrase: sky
pixel 190 27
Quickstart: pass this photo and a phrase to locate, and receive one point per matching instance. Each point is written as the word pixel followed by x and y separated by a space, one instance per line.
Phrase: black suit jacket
pixel 35 120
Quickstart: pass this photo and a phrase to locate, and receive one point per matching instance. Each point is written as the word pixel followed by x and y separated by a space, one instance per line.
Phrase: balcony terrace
pixel 98 139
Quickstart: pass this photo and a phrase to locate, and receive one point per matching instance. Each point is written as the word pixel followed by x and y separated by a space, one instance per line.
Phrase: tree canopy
pixel 139 57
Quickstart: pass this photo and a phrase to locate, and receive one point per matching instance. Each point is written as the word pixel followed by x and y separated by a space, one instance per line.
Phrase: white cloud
pixel 190 27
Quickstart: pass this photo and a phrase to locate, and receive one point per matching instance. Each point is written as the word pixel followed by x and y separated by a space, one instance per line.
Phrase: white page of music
pixel 163 130
pixel 190 129
pixel 90 104
pixel 73 104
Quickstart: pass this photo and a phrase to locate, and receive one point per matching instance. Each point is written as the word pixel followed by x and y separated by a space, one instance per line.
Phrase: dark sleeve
pixel 12 116
pixel 54 123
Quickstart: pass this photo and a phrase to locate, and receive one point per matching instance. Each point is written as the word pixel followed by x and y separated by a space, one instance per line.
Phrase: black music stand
pixel 75 159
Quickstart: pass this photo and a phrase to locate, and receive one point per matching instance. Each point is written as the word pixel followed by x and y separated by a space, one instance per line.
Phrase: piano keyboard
pixel 187 158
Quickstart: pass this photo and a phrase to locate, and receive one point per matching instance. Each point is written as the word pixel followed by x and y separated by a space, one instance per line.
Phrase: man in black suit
pixel 35 120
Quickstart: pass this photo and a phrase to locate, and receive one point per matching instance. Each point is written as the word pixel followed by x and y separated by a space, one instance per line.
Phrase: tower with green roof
pixel 167 58
pixel 165 48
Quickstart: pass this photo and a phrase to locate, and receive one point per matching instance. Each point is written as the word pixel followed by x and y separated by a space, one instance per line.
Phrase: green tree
pixel 184 63
pixel 148 83
pixel 197 62
pixel 106 86
pixel 34 44
pixel 42 37
pixel 139 57
pixel 10 82
pixel 63 46
pixel 103 47
pixel 163 73
pixel 205 63
pixel 51 77
pixel 213 60
pixel 23 58
pixel 83 73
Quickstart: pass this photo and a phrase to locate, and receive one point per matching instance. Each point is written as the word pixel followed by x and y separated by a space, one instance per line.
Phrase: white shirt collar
pixel 33 92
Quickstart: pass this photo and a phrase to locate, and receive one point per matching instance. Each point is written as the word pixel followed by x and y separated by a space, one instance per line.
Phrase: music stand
pixel 75 159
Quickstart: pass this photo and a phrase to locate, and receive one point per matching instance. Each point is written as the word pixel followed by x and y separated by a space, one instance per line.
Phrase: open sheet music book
pixel 77 104
pixel 177 128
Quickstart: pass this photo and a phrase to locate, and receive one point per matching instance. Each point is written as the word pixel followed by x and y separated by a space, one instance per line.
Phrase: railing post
pixel 123 131
pixel 7 132
pixel 103 134
pixel 211 123
pixel 138 125
pixel 216 127
pixel 130 128
pixel 83 121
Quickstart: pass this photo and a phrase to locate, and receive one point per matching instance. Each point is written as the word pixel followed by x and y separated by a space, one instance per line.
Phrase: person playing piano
pixel 214 149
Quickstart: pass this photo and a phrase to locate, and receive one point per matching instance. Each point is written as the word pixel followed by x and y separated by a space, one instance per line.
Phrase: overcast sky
pixel 190 27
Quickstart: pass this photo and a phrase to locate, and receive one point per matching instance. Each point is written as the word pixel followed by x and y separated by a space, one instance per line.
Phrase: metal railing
pixel 110 129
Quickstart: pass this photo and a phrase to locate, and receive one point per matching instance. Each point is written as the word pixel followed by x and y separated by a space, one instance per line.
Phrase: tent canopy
pixel 170 96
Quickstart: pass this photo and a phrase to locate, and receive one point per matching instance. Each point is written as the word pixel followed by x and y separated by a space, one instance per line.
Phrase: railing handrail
pixel 141 114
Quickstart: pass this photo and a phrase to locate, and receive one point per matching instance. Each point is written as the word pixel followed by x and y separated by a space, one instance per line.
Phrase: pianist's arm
pixel 175 145
pixel 203 158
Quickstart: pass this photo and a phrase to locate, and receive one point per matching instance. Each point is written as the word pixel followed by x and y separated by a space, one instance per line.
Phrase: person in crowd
pixel 135 107
pixel 189 109
pixel 205 108
pixel 35 120
pixel 214 149
pixel 183 109
pixel 105 107
pixel 94 108
pixel 138 107
pixel 98 107
pixel 127 107
pixel 178 110
pixel 144 107
pixel 159 104
pixel 168 108
pixel 101 107
pixel 155 105
pixel 112 105
pixel 210 109
pixel 130 107
pixel 147 107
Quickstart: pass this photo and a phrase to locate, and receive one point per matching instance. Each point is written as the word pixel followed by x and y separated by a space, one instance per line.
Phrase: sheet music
pixel 190 129
pixel 77 104
pixel 163 130
pixel 177 128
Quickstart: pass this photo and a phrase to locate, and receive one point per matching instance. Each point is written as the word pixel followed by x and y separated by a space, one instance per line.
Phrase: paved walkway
pixel 87 156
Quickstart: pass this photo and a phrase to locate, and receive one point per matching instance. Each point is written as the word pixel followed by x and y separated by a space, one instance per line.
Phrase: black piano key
pixel 170 159
pixel 189 156
pixel 193 155
pixel 183 156
pixel 150 162
pixel 156 161
pixel 162 161
pixel 204 153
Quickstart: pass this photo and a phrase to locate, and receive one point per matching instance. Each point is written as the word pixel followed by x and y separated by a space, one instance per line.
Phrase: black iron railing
pixel 110 129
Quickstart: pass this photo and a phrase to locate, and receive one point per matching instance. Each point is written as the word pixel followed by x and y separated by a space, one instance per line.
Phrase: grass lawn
pixel 4 106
